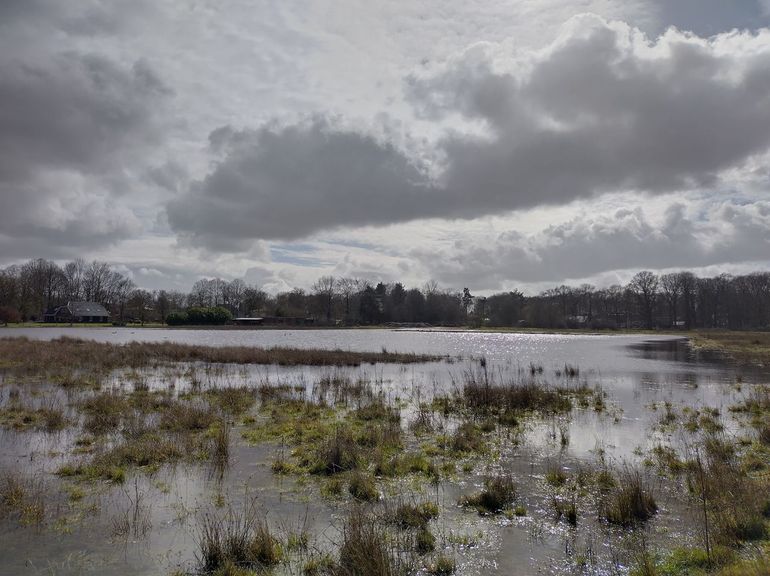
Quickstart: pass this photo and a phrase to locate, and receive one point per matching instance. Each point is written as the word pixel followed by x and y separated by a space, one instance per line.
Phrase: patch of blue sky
pixel 352 244
pixel 297 254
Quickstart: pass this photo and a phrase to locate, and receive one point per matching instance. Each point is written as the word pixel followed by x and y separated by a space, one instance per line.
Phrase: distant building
pixel 81 312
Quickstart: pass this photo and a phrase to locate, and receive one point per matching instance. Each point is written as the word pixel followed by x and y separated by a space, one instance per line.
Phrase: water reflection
pixel 635 375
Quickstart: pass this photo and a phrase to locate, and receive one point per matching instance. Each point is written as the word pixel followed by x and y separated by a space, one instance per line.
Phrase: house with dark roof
pixel 81 312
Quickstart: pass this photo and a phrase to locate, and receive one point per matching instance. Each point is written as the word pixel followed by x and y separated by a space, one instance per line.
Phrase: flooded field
pixel 344 453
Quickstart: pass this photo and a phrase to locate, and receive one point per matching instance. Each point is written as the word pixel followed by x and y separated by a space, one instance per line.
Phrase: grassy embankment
pixel 744 347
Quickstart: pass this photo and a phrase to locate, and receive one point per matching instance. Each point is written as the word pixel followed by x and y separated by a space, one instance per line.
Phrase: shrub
pixel 415 515
pixel 9 315
pixel 176 319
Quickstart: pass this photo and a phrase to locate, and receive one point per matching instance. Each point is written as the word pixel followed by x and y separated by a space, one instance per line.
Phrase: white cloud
pixel 106 107
pixel 602 109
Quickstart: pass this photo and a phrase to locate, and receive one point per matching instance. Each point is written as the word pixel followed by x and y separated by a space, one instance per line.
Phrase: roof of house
pixel 87 309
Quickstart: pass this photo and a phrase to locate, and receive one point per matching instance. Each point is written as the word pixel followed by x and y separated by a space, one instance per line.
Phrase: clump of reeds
pixel 409 516
pixel 381 436
pixel 365 549
pixel 565 508
pixel 556 476
pixel 104 412
pixel 339 389
pixel 485 396
pixel 220 445
pixel 630 501
pixel 498 494
pixel 403 464
pixel 339 453
pixel 423 421
pixel 16 415
pixel 184 416
pixel 22 496
pixel 363 487
pixel 442 566
pixel 377 411
pixel 467 438
pixel 148 450
pixel 233 400
pixel 236 540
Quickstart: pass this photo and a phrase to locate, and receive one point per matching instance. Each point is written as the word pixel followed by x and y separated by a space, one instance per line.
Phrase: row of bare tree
pixel 678 299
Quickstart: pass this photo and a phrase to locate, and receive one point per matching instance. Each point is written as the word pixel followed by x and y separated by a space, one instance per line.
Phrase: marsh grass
pixel 21 417
pixel 236 539
pixel 402 464
pixel 556 476
pixel 148 450
pixel 752 347
pixel 498 494
pixel 234 400
pixel 338 453
pixel 413 515
pixel 467 438
pixel 104 412
pixel 74 362
pixel 565 508
pixel 363 487
pixel 340 390
pixel 367 548
pixel 443 565
pixel 423 421
pixel 220 445
pixel 23 498
pixel 482 395
pixel 135 520
pixel 377 411
pixel 184 416
pixel 630 501
pixel 733 498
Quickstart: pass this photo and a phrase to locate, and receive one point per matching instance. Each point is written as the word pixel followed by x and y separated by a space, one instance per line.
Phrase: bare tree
pixel 233 294
pixel 348 287
pixel 671 289
pixel 324 289
pixel 645 286
pixel 74 273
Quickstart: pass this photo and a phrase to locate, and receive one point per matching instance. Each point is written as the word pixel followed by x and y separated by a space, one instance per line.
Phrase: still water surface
pixel 637 372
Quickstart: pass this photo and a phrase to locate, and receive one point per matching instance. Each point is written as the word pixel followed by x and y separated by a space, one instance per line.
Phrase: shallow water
pixel 637 373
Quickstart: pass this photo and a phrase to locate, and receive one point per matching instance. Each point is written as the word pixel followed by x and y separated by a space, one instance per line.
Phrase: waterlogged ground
pixel 636 406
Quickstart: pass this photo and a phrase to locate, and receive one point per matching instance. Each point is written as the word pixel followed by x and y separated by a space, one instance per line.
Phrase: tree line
pixel 674 300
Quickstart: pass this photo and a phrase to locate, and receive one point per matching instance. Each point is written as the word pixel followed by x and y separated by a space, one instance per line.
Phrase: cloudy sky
pixel 492 144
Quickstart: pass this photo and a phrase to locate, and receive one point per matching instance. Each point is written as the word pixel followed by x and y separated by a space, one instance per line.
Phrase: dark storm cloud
pixel 77 111
pixel 68 126
pixel 74 124
pixel 602 109
pixel 285 182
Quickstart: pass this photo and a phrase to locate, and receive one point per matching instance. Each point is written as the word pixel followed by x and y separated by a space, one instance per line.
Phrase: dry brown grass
pixel 20 417
pixel 752 347
pixel 22 497
pixel 630 502
pixel 68 357
pixel 236 540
